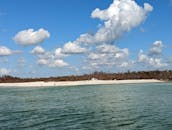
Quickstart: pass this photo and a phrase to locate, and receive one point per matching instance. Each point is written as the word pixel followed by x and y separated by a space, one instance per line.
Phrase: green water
pixel 97 107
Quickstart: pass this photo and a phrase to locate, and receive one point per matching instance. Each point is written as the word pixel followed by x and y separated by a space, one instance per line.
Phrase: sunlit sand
pixel 75 83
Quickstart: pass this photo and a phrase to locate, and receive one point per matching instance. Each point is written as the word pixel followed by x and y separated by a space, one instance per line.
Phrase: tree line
pixel 160 75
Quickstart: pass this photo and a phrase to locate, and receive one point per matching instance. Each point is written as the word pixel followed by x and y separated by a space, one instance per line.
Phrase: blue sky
pixel 53 38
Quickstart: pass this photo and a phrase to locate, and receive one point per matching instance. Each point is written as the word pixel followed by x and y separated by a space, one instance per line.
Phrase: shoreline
pixel 77 83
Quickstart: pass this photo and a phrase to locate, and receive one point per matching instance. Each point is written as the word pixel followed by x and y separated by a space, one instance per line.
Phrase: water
pixel 97 107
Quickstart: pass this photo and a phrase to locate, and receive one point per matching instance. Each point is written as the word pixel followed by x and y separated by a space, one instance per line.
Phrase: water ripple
pixel 98 107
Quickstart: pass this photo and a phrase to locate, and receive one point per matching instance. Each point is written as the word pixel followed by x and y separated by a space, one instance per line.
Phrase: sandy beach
pixel 75 83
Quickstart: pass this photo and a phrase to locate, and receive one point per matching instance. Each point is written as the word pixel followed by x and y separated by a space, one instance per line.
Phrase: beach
pixel 75 83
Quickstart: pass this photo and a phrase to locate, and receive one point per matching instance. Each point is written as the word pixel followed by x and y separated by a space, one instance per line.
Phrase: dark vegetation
pixel 160 75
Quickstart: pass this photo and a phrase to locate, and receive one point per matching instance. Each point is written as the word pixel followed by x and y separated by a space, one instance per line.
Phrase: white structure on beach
pixel 93 79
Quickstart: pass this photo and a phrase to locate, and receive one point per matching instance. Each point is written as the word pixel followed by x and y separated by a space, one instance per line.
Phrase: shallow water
pixel 96 107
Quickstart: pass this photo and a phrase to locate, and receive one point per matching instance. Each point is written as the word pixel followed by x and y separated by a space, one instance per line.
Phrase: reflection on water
pixel 129 106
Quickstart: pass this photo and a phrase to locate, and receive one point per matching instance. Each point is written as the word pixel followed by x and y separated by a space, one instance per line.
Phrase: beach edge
pixel 77 83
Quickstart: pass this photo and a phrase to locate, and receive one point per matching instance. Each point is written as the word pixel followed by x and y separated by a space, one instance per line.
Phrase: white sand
pixel 74 83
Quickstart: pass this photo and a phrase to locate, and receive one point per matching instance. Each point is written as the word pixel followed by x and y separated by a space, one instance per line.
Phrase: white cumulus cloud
pixel 58 63
pixel 5 51
pixel 156 49
pixel 38 50
pixel 31 37
pixel 153 58
pixel 72 48
pixel 120 17
pixel 59 53
pixel 42 61
pixel 49 59
pixel 108 55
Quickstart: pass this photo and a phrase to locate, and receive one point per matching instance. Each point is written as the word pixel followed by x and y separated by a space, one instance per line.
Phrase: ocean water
pixel 93 107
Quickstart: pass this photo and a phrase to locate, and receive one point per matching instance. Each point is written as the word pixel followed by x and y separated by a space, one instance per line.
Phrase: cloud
pixel 49 59
pixel 52 62
pixel 124 64
pixel 156 49
pixel 150 61
pixel 38 50
pixel 4 71
pixel 54 59
pixel 5 51
pixel 153 58
pixel 105 48
pixel 120 17
pixel 72 48
pixel 108 55
pixel 58 63
pixel 46 55
pixel 31 37
pixel 59 53
pixel 42 61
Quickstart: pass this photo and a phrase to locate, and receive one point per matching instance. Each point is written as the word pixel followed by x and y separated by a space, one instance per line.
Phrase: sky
pixel 42 38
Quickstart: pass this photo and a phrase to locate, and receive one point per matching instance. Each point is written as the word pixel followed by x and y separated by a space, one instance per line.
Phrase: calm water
pixel 98 107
